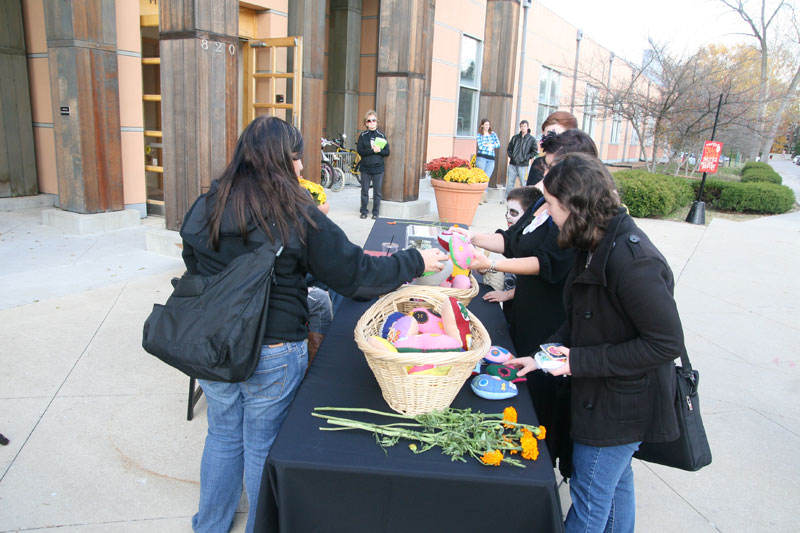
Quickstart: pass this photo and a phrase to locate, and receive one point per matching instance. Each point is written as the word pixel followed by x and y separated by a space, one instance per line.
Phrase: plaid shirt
pixel 487 144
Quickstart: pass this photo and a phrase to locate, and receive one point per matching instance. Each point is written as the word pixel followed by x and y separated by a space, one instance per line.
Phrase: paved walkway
pixel 100 443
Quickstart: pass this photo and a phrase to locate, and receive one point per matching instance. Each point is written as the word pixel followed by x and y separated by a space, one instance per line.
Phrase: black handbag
pixel 212 327
pixel 690 451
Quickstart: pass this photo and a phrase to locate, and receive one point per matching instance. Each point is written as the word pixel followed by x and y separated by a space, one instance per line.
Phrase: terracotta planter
pixel 457 202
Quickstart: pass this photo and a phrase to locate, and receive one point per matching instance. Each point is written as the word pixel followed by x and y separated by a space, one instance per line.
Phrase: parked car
pixel 796 160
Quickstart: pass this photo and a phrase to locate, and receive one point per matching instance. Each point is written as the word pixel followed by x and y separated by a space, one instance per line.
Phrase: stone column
pixel 81 46
pixel 199 97
pixel 404 65
pixel 17 158
pixel 307 20
pixel 344 49
pixel 497 76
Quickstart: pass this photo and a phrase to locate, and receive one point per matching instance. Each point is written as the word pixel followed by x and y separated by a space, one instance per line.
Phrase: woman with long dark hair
pixel 621 335
pixel 258 199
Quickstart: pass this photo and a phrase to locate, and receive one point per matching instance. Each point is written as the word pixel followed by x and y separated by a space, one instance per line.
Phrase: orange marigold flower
pixel 530 448
pixel 542 433
pixel 509 415
pixel 493 458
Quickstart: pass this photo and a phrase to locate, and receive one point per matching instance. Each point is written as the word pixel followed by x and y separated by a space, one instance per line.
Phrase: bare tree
pixel 759 25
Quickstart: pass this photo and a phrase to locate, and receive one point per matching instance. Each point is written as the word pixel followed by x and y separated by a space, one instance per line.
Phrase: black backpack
pixel 212 327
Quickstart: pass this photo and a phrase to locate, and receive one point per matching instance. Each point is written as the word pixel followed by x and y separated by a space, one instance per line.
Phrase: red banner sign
pixel 710 160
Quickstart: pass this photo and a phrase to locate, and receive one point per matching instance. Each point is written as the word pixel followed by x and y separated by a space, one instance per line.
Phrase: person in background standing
pixel 557 122
pixel 373 147
pixel 521 149
pixel 487 144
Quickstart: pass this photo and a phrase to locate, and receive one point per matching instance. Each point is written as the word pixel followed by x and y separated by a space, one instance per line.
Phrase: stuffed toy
pixel 497 354
pixel 391 319
pixel 434 279
pixel 462 254
pixel 381 344
pixel 428 370
pixel 403 327
pixel 428 342
pixel 493 388
pixel 456 321
pixel 508 373
pixel 427 321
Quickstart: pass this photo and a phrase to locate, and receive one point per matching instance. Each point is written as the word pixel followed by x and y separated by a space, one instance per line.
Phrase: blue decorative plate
pixel 492 387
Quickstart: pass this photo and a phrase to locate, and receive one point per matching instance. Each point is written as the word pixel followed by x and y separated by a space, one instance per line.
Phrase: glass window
pixel 469 87
pixel 590 110
pixel 549 90
pixel 616 124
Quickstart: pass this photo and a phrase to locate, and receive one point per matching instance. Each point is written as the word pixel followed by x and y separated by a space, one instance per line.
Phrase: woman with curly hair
pixel 620 337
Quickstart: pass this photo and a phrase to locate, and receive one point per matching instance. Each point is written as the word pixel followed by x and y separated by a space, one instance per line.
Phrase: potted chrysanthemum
pixel 458 188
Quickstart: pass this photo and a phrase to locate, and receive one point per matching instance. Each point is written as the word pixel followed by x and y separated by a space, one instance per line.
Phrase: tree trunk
pixel 776 120
pixel 762 98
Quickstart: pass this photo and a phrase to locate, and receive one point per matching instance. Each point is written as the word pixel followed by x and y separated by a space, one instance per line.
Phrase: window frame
pixel 473 87
pixel 590 109
pixel 544 108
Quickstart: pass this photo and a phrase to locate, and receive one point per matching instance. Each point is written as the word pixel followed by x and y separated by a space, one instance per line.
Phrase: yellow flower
pixel 542 433
pixel 493 458
pixel 316 190
pixel 509 415
pixel 530 448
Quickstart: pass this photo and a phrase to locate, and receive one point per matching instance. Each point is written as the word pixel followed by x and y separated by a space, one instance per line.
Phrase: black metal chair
pixel 194 396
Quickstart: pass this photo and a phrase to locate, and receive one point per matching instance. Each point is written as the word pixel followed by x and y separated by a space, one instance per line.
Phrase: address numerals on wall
pixel 216 46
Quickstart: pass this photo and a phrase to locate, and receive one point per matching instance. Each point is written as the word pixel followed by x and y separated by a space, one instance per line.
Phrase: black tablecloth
pixel 343 481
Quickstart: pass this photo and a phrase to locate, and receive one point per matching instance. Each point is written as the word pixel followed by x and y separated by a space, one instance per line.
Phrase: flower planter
pixel 457 202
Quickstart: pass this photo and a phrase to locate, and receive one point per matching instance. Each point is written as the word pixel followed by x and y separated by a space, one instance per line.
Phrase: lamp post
pixel 697 213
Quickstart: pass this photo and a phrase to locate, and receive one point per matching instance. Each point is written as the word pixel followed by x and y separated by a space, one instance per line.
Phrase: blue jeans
pixel 243 419
pixel 320 310
pixel 487 165
pixel 602 489
pixel 514 173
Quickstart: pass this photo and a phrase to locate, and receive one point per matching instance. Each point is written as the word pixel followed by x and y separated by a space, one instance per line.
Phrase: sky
pixel 623 26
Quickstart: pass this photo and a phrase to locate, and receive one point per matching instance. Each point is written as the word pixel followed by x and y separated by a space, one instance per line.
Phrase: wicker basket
pixel 413 394
pixel 464 296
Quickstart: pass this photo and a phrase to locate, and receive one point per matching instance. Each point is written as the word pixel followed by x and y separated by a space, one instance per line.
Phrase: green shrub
pixel 711 191
pixel 761 174
pixel 756 198
pixel 648 195
pixel 754 164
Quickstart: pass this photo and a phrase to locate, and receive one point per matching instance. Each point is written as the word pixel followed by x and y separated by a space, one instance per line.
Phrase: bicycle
pixel 349 159
pixel 330 171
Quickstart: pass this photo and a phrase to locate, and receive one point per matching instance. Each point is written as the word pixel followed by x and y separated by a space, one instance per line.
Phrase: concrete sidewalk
pixel 100 443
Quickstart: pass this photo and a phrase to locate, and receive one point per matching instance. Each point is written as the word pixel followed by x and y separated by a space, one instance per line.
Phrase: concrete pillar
pixel 404 65
pixel 497 77
pixel 17 158
pixel 344 50
pixel 199 91
pixel 307 20
pixel 81 46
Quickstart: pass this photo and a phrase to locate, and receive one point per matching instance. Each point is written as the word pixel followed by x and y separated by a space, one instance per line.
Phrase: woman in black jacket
pixel 621 335
pixel 258 197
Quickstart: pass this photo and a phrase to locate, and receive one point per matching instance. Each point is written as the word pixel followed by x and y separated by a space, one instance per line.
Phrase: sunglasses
pixel 371 120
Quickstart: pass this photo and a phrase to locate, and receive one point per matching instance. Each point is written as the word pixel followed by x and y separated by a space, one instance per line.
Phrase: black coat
pixel 624 332
pixel 327 254
pixel 371 162
pixel 522 149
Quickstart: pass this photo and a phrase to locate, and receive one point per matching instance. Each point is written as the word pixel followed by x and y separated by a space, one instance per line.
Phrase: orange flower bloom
pixel 530 448
pixel 542 433
pixel 509 415
pixel 493 458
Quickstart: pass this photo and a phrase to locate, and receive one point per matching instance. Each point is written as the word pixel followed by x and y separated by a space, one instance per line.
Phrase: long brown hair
pixel 260 183
pixel 583 185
